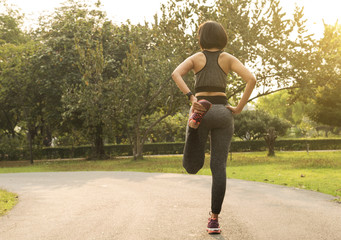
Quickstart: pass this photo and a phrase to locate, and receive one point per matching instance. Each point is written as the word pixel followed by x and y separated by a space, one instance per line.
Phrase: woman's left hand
pixel 196 106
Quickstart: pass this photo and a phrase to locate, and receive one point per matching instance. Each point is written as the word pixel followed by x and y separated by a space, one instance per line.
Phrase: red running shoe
pixel 213 226
pixel 196 117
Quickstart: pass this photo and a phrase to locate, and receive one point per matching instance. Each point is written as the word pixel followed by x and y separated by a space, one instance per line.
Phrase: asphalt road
pixel 147 206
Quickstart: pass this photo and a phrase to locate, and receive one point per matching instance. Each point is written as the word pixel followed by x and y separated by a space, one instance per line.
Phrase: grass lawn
pixel 7 201
pixel 318 171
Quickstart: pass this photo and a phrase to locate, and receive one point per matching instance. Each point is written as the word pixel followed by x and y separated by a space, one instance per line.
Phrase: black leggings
pixel 218 121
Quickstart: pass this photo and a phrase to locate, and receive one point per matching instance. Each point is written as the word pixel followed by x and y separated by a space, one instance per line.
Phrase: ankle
pixel 213 215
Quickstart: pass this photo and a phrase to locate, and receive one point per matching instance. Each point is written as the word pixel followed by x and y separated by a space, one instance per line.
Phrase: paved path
pixel 147 206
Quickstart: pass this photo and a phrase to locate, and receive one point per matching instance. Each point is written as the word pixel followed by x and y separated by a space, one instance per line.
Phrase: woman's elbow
pixel 174 74
pixel 252 80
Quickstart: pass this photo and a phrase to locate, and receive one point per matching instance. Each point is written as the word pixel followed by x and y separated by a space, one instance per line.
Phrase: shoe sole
pixel 213 231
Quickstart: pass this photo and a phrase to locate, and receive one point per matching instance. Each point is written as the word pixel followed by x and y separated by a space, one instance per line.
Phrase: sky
pixel 140 10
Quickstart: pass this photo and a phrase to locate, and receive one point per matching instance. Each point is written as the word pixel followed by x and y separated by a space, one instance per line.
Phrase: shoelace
pixel 213 222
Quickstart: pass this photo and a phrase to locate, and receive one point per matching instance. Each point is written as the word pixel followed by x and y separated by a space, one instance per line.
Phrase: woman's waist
pixel 200 94
pixel 214 99
pixel 209 89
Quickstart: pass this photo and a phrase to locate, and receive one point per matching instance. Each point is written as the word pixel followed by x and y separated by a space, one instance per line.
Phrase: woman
pixel 211 67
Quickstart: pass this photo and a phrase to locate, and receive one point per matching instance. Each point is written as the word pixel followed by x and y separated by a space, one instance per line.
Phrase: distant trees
pixel 251 125
pixel 10 22
pixel 259 34
pixel 80 76
pixel 326 84
pixel 77 38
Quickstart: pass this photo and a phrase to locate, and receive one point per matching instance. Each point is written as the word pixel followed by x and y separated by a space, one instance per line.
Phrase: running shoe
pixel 196 117
pixel 213 226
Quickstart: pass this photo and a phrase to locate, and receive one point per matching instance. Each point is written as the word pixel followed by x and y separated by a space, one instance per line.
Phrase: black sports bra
pixel 211 78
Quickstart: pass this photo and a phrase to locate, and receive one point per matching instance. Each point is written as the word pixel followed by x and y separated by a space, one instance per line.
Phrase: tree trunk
pixel 29 137
pixel 139 151
pixel 137 147
pixel 99 145
pixel 270 138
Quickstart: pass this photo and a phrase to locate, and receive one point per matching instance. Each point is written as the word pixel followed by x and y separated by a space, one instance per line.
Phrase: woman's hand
pixel 197 107
pixel 234 110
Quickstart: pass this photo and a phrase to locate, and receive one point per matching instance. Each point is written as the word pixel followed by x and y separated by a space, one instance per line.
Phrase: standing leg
pixel 220 143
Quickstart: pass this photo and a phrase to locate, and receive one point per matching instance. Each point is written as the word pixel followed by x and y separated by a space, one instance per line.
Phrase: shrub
pixel 12 153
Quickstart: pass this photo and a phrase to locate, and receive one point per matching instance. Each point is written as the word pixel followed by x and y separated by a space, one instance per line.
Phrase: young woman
pixel 211 67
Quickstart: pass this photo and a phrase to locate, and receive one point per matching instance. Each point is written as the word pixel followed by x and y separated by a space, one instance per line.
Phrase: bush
pixel 163 148
pixel 9 148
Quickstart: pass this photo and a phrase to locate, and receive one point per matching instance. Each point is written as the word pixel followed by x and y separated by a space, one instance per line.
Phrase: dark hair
pixel 212 35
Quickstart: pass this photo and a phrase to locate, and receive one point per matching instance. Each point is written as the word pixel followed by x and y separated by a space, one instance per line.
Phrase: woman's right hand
pixel 234 110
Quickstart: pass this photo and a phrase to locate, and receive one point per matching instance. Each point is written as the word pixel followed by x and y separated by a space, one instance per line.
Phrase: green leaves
pixel 251 125
pixel 322 89
pixel 82 73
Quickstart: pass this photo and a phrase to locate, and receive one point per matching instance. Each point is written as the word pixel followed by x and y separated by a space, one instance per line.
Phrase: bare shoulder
pixel 225 60
pixel 197 56
pixel 199 61
pixel 226 57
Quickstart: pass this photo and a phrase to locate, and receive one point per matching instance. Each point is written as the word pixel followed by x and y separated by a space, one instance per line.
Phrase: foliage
pixel 260 35
pixel 142 92
pixel 9 147
pixel 280 105
pixel 165 148
pixel 85 53
pixel 326 103
pixel 251 125
pixel 22 106
pixel 84 77
pixel 171 129
pixel 321 91
pixel 10 23
pixel 14 50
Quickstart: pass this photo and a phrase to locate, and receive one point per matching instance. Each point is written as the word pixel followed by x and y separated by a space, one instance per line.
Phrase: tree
pixel 144 89
pixel 85 53
pixel 260 35
pixel 251 125
pixel 10 22
pixel 23 94
pixel 326 105
pixel 171 129
pixel 281 105
pixel 95 78
pixel 326 80
pixel 11 38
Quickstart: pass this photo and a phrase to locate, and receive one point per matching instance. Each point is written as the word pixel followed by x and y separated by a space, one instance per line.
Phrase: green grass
pixel 317 171
pixel 7 201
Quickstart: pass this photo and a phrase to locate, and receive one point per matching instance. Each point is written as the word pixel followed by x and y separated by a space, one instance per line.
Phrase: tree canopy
pixel 81 75
pixel 326 84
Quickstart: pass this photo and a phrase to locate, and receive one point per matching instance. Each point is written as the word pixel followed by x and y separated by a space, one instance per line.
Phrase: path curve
pixel 147 206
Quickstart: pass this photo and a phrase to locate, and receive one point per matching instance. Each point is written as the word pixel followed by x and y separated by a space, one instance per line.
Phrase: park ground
pixel 124 205
pixel 317 170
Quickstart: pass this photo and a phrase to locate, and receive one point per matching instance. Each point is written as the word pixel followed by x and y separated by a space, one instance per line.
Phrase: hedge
pixel 171 148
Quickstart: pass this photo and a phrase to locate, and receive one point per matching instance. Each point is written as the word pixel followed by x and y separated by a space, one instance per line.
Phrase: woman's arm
pixel 177 74
pixel 237 67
